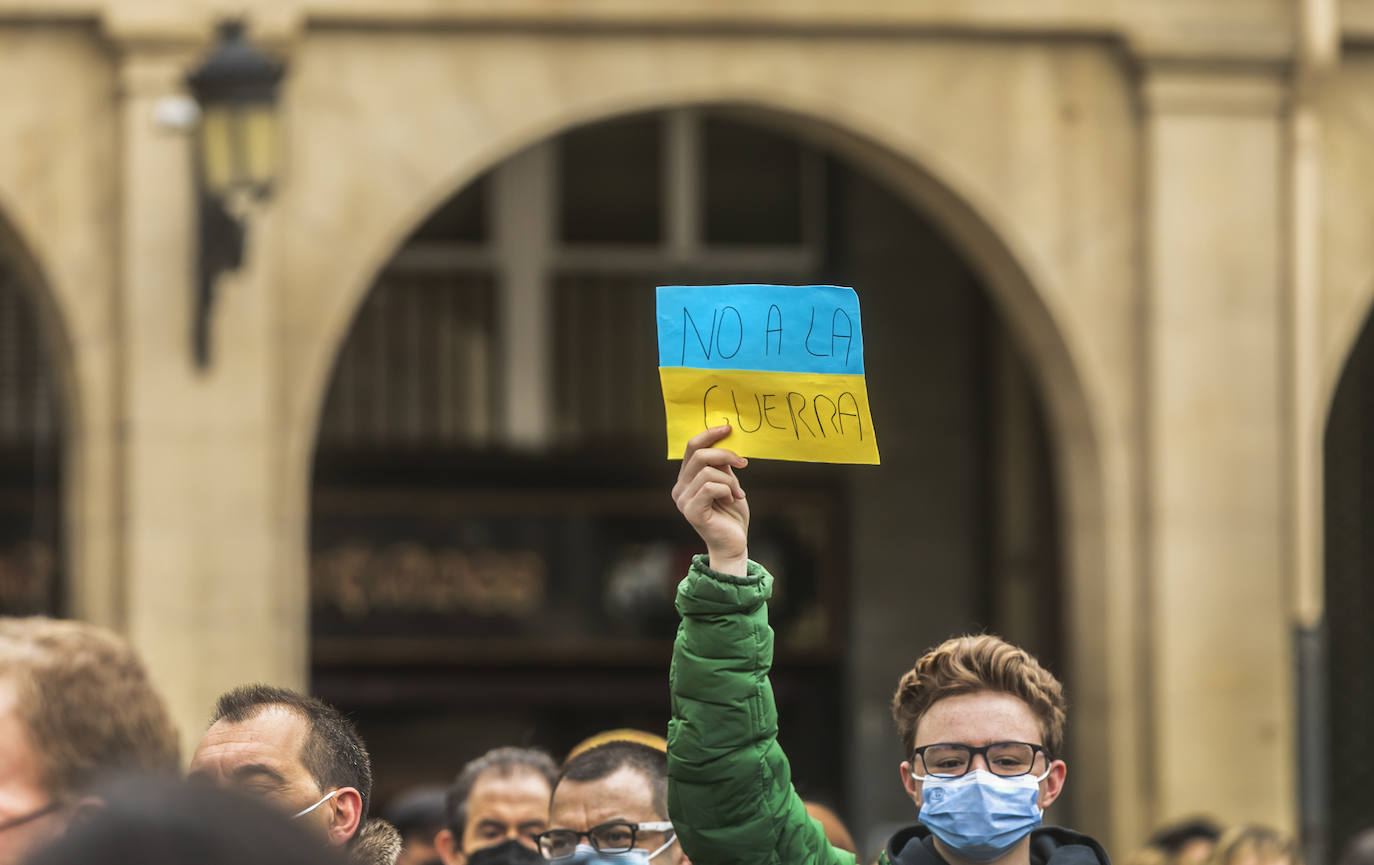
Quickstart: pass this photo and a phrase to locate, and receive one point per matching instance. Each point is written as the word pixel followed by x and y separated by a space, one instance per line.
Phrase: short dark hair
pixel 333 753
pixel 504 762
pixel 1175 836
pixel 603 761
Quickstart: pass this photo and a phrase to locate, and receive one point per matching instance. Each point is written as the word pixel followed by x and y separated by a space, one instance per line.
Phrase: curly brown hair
pixel 973 663
pixel 86 702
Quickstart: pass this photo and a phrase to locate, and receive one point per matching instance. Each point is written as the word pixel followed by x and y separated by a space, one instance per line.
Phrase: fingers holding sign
pixel 709 495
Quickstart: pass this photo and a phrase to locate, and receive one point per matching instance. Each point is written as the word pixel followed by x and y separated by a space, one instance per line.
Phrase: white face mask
pixel 304 811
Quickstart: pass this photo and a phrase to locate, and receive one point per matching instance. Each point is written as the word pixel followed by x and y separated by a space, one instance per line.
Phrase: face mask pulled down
pixel 587 855
pixel 980 815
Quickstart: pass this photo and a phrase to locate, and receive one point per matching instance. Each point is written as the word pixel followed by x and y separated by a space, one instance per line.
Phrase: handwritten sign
pixel 782 364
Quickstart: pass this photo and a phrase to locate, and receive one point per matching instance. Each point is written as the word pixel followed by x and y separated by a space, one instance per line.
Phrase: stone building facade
pixel 1166 204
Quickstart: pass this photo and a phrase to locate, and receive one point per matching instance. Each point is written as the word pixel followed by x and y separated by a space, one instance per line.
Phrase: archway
pixel 31 436
pixel 1348 494
pixel 469 449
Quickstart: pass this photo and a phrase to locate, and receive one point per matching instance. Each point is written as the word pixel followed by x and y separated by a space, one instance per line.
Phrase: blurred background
pixel 327 358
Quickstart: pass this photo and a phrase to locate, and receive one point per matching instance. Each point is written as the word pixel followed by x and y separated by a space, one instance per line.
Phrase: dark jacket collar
pixel 1050 845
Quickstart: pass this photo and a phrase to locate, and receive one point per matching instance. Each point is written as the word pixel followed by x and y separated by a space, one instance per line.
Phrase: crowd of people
pixel 90 769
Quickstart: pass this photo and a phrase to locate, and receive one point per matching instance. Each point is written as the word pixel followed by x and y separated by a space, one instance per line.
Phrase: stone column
pixel 202 598
pixel 1221 734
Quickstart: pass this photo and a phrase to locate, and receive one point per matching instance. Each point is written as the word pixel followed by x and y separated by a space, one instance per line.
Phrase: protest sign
pixel 782 364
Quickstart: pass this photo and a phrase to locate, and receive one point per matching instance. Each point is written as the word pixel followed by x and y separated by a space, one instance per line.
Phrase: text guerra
pixel 796 405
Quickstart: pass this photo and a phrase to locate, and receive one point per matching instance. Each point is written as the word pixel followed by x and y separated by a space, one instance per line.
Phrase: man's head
pixel 76 706
pixel 1360 850
pixel 1255 845
pixel 296 752
pixel 610 793
pixel 500 797
pixel 1187 842
pixel 978 691
pixel 418 815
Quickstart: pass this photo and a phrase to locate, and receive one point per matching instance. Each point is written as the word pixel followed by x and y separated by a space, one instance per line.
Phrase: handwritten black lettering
pixel 704 397
pixel 847 336
pixel 739 324
pixel 769 329
pixel 854 414
pixel 792 410
pixel 807 341
pixel 705 344
pixel 739 421
pixel 769 408
pixel 816 407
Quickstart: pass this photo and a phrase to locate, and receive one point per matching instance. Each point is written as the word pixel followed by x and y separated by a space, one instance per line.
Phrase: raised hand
pixel 711 498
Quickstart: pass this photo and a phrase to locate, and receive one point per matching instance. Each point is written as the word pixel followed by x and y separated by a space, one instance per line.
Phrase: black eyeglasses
pixel 617 837
pixel 952 759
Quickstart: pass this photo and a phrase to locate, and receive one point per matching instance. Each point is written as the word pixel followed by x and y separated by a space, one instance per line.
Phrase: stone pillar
pixel 201 595
pixel 1221 732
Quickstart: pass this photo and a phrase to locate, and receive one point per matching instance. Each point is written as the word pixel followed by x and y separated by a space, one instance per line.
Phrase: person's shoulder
pixel 377 843
pixel 1055 845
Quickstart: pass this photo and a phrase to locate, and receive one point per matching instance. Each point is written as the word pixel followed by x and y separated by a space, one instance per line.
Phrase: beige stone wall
pixel 59 192
pixel 1347 111
pixel 1119 174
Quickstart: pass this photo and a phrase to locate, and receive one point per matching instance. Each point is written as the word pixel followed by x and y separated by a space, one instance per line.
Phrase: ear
pixel 910 784
pixel 345 815
pixel 1053 785
pixel 448 845
pixel 85 809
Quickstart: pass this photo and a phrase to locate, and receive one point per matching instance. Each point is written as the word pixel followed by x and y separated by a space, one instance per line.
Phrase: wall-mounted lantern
pixel 236 161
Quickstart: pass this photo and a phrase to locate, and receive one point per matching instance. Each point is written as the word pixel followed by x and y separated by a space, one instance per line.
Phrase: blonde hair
pixel 981 662
pixel 1264 844
pixel 86 702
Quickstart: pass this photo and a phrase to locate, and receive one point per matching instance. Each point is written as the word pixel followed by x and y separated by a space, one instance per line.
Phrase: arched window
pixel 494 550
pixel 1349 510
pixel 30 448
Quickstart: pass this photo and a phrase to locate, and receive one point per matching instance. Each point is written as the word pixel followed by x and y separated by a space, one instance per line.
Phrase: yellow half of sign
pixel 809 417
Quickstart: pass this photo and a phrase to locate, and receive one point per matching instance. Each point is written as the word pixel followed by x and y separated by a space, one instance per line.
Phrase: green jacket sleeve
pixel 730 793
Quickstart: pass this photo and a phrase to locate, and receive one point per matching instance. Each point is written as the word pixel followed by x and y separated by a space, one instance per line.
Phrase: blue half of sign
pixel 773 328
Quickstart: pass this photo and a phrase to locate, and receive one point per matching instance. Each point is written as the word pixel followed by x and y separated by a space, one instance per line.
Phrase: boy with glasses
pixel 981 722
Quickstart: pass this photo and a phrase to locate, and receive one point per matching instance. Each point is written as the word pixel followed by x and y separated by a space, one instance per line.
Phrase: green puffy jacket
pixel 730 793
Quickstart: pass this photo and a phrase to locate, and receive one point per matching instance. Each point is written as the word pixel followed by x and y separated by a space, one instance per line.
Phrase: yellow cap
pixel 654 741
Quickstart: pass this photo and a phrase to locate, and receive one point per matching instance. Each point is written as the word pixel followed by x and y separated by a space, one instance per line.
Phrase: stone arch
pixel 923 179
pixel 1092 462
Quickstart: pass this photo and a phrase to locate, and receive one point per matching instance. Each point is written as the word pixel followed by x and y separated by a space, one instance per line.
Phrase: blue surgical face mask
pixel 588 855
pixel 980 815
